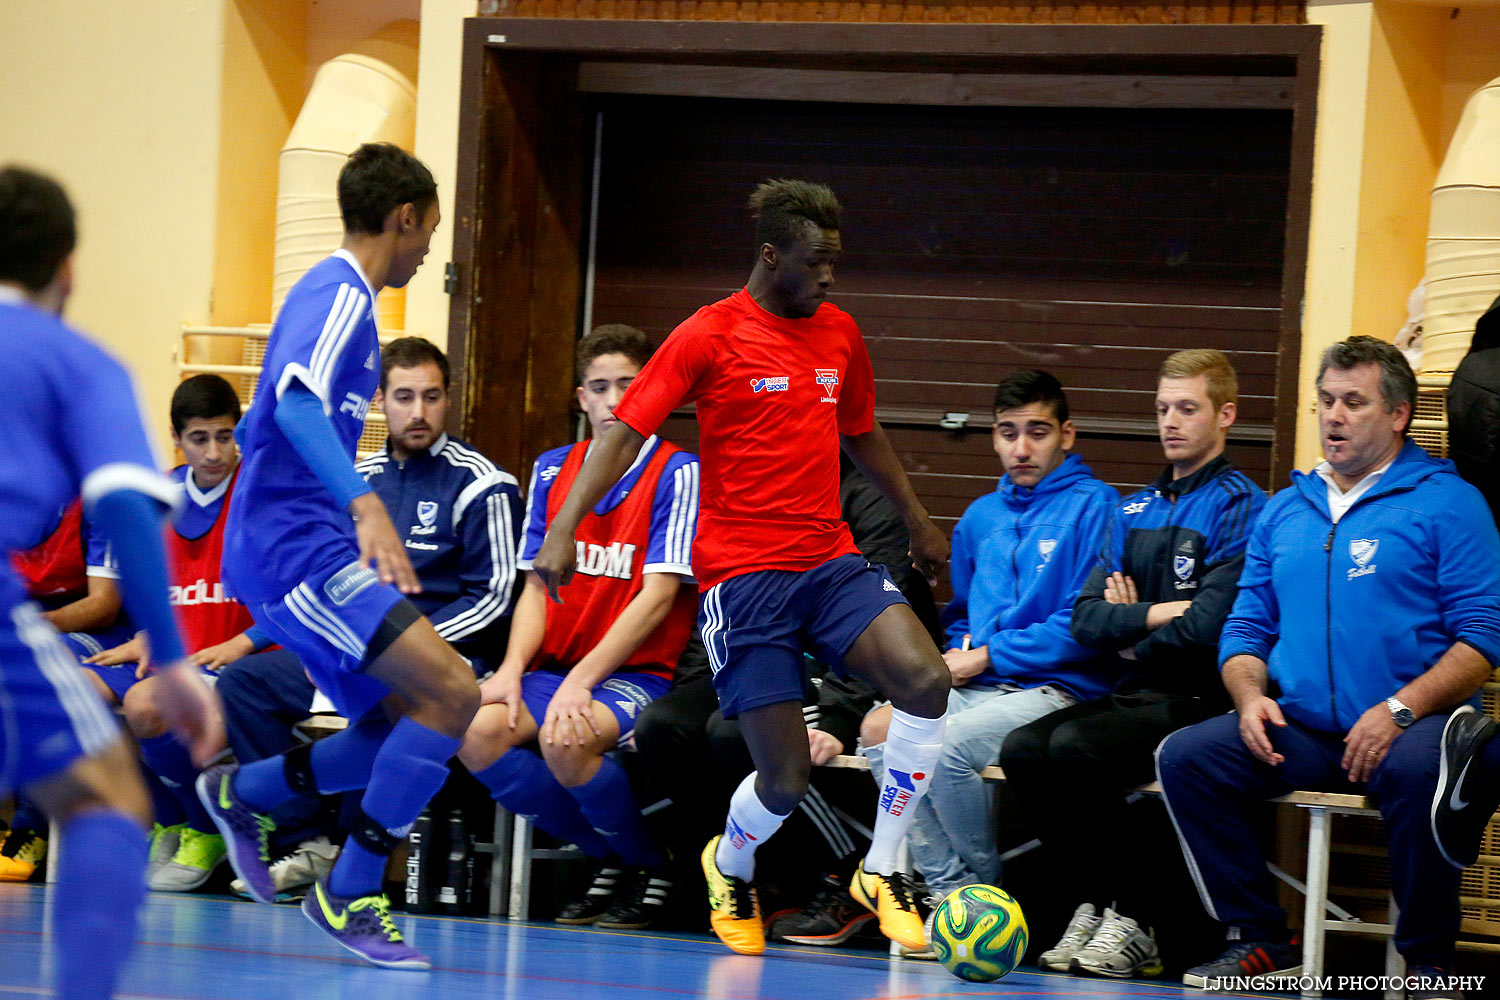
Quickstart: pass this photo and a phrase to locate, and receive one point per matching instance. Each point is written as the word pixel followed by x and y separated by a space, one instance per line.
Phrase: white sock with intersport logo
pixel 912 747
pixel 748 826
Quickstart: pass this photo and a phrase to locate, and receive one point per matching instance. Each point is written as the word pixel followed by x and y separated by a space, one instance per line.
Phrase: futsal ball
pixel 979 933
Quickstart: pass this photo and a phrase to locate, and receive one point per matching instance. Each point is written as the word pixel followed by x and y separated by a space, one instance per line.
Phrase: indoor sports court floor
pixel 212 948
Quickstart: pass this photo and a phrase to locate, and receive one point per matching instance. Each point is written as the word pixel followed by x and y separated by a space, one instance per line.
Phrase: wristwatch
pixel 1400 714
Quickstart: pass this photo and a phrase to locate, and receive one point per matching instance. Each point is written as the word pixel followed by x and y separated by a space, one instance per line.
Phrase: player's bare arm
pixel 221 654
pixel 379 545
pixel 610 459
pixel 873 454
pixel 503 687
pixel 97 609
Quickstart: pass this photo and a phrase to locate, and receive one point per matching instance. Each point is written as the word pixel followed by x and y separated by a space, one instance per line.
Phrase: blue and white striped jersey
pixel 284 525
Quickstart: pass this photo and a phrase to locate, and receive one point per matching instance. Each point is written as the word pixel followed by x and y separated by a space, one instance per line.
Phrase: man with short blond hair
pixel 1158 596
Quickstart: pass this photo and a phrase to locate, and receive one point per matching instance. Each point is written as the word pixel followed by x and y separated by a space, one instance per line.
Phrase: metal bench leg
pixel 1319 847
pixel 520 871
pixel 54 848
pixel 500 861
pixel 1395 965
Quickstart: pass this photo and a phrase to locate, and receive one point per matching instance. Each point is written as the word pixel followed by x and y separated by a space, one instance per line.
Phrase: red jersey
pixel 773 396
pixel 57 567
pixel 206 614
pixel 612 550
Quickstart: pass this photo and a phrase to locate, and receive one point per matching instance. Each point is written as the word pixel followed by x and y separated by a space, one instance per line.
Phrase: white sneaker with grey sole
pixel 294 874
pixel 1059 958
pixel 1120 949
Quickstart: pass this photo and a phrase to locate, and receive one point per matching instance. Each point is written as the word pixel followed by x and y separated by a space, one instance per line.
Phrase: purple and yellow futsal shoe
pixel 247 833
pixel 363 925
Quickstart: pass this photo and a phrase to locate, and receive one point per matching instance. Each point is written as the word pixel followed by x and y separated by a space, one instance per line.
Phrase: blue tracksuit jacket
pixel 459 516
pixel 1346 614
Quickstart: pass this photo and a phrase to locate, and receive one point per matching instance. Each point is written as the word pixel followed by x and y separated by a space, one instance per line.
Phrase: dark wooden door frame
pixel 523 152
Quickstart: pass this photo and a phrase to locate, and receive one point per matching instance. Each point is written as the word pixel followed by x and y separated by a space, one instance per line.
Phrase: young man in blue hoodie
pixel 1368 611
pixel 1020 555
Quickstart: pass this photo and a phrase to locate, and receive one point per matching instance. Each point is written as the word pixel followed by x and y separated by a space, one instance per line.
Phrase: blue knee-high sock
pixel 100 882
pixel 408 771
pixel 165 807
pixel 521 782
pixel 340 763
pixel 608 803
pixel 169 761
pixel 29 816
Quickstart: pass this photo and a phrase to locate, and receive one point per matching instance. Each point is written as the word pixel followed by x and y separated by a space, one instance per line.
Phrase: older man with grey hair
pixel 1368 614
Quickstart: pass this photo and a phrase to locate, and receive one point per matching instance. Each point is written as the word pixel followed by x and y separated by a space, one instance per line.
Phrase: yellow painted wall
pixel 1338 164
pixel 1471 54
pixel 1394 79
pixel 1403 147
pixel 121 102
pixel 265 81
pixel 437 146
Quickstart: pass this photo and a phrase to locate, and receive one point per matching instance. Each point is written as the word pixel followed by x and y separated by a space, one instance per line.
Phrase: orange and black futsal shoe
pixel 891 899
pixel 735 910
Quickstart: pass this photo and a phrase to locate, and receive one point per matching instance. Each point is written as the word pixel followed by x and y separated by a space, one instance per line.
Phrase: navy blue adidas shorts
pixel 50 716
pixel 624 694
pixel 328 620
pixel 756 626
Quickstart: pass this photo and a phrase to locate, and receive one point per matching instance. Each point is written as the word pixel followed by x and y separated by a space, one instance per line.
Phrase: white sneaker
pixel 294 874
pixel 1080 929
pixel 198 854
pixel 1119 949
pixel 164 841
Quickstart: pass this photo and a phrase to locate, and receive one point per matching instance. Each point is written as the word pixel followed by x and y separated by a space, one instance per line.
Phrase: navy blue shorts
pixel 624 694
pixel 756 626
pixel 118 678
pixel 50 717
pixel 328 620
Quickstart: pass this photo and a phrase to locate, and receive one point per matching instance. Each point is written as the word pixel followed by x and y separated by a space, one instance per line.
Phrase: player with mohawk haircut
pixel 782 379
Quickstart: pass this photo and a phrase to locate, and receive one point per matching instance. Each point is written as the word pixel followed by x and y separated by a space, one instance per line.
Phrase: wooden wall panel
pixel 1090 243
pixel 1013 12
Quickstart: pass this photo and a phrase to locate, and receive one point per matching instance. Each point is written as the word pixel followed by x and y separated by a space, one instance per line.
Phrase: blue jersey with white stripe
pixel 83 432
pixel 459 516
pixel 284 525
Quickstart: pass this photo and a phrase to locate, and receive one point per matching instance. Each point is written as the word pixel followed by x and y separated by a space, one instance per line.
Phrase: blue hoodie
pixel 1019 558
pixel 1347 614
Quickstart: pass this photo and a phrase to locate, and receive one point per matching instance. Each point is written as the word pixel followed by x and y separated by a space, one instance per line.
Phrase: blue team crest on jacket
pixel 1362 551
pixel 1183 567
pixel 427 511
